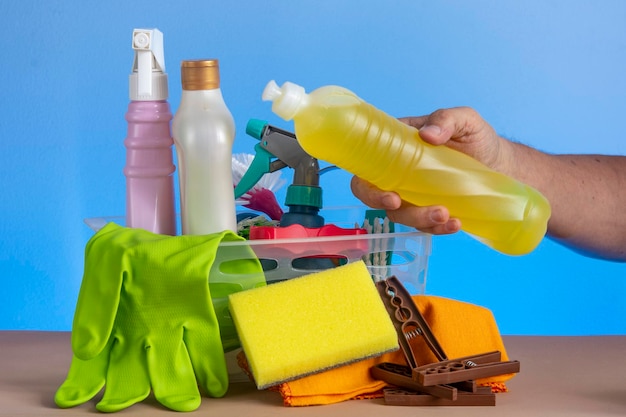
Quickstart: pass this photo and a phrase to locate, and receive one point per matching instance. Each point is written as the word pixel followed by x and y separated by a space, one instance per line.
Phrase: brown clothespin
pixel 482 396
pixel 443 379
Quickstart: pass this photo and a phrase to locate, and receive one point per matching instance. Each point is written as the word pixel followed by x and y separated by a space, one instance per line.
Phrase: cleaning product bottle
pixel 149 165
pixel 333 124
pixel 204 132
pixel 304 195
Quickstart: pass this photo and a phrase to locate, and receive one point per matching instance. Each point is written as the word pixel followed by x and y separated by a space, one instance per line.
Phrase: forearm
pixel 587 194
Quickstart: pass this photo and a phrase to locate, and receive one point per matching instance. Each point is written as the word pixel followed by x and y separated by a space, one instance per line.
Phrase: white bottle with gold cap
pixel 204 132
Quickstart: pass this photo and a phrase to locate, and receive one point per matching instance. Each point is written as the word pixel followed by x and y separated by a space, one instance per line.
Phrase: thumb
pixel 99 294
pixel 433 134
pixel 430 129
pixel 459 123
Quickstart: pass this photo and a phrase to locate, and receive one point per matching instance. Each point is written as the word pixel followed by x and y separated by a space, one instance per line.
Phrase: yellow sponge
pixel 312 323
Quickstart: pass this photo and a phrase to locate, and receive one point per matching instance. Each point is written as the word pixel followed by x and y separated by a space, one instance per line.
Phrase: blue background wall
pixel 548 73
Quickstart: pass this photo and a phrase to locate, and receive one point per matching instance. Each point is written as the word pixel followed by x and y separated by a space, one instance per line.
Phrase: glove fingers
pixel 127 379
pixel 207 356
pixel 84 380
pixel 171 374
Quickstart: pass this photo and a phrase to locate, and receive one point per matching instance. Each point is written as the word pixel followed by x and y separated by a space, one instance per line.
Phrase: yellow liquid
pixel 338 127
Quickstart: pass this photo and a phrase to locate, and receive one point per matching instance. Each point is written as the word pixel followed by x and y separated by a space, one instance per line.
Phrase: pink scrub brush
pixel 261 197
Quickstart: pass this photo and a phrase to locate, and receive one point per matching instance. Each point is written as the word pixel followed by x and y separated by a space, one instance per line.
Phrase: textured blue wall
pixel 548 73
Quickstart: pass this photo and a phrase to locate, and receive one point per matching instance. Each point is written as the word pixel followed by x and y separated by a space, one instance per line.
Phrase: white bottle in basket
pixel 204 132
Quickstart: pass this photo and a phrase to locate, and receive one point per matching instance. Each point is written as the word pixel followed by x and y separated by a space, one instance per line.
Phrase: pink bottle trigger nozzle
pixel 148 81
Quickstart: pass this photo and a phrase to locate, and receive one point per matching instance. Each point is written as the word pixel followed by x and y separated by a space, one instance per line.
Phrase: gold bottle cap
pixel 203 74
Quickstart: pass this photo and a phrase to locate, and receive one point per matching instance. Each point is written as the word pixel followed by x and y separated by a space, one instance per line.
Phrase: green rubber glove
pixel 145 321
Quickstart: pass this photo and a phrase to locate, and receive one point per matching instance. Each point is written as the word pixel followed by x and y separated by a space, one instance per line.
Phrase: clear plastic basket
pixel 403 253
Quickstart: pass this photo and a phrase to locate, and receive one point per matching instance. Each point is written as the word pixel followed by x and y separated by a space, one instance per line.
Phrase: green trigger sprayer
pixel 276 150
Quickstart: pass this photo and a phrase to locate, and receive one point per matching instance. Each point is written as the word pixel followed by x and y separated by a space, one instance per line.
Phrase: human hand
pixel 460 128
pixel 145 321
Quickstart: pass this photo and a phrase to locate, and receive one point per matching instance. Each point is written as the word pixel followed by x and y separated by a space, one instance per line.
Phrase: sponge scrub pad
pixel 311 323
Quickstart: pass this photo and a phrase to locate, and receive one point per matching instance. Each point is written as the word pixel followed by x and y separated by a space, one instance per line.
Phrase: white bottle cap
pixel 286 100
pixel 148 81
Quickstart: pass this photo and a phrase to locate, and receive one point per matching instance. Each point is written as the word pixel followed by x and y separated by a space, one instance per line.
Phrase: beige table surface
pixel 560 376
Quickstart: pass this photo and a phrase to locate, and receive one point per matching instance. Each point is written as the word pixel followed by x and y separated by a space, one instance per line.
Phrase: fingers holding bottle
pixel 429 219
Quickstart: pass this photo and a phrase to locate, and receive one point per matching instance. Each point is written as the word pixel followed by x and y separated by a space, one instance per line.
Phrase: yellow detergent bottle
pixel 334 125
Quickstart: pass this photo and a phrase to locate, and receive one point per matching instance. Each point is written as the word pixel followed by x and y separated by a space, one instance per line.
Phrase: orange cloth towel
pixel 461 328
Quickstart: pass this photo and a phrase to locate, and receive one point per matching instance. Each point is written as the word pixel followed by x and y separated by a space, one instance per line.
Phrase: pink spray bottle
pixel 149 158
